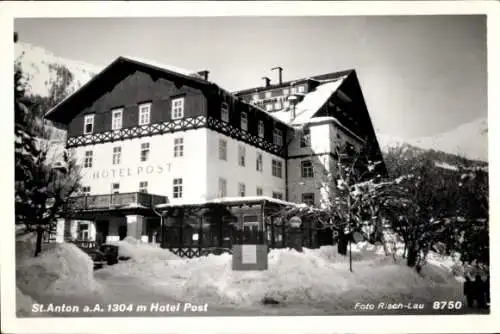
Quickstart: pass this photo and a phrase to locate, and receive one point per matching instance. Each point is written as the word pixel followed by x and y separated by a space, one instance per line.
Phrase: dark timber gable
pixel 127 84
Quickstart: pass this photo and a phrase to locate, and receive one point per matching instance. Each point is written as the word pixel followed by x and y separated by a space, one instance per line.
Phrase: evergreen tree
pixel 41 190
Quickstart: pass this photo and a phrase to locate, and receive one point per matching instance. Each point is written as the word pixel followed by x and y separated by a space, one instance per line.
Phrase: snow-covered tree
pixel 434 207
pixel 42 187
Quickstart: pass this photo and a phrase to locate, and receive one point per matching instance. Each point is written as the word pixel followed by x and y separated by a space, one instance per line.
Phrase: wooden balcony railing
pixel 114 201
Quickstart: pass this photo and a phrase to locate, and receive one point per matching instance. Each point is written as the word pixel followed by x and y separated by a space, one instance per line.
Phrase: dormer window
pixel 88 124
pixel 301 89
pixel 244 121
pixel 117 119
pixel 224 112
pixel 144 114
pixel 277 137
pixel 261 129
pixel 178 108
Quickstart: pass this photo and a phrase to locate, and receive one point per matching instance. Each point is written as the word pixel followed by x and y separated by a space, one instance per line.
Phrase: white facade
pixel 324 138
pixel 199 167
pixel 234 174
pixel 159 170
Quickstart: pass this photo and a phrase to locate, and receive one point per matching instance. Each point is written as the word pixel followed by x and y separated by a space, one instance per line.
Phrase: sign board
pixel 295 221
pixel 249 254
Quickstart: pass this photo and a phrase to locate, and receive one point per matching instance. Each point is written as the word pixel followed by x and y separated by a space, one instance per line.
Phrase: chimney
pixel 204 74
pixel 268 81
pixel 280 72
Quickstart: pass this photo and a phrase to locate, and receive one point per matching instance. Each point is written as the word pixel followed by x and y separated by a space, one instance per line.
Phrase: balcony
pixel 115 201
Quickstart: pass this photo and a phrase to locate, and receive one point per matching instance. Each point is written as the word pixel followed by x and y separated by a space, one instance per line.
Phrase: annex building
pixel 169 157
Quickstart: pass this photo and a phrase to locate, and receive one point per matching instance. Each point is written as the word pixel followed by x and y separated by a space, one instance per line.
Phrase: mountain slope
pixel 469 140
pixel 39 69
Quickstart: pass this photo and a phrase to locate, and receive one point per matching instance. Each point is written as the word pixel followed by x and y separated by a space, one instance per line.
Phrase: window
pixel 286 104
pixel 117 119
pixel 241 189
pixel 306 168
pixel 178 108
pixel 222 149
pixel 224 112
pixel 268 95
pixel 87 163
pixel 222 187
pixel 255 97
pixel 86 190
pixel 117 155
pixel 178 147
pixel 269 107
pixel 301 89
pixel 241 155
pixel 144 151
pixel 294 90
pixel 277 195
pixel 286 91
pixel 308 198
pixel 144 114
pixel 83 232
pixel 260 129
pixel 338 135
pixel 277 168
pixel 244 121
pixel 115 188
pixel 305 139
pixel 259 191
pixel 88 124
pixel 277 106
pixel 259 163
pixel 177 188
pixel 143 186
pixel 277 137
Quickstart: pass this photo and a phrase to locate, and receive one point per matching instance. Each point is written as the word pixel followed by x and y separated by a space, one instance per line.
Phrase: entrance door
pixel 122 231
pixel 153 230
pixel 102 231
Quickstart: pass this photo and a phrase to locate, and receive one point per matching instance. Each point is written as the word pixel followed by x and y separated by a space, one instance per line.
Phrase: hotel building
pixel 164 147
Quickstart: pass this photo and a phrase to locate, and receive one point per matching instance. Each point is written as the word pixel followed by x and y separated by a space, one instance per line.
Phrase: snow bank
pixel 24 304
pixel 62 270
pixel 309 278
pixel 143 252
pixel 315 276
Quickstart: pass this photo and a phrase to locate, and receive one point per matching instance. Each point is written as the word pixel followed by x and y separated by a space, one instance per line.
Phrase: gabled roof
pixel 94 85
pixel 314 100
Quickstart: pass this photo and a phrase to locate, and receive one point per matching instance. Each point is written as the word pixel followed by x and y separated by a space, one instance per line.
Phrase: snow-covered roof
pixel 314 100
pixel 229 200
pixel 282 115
pixel 322 119
pixel 166 67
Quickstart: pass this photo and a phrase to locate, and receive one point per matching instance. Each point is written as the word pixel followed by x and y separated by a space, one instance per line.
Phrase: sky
pixel 420 75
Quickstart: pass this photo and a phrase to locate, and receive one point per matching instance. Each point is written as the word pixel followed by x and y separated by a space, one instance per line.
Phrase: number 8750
pixel 449 305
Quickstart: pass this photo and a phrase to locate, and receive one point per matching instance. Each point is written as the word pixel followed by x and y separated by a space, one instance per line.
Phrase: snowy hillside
pixel 38 67
pixel 469 140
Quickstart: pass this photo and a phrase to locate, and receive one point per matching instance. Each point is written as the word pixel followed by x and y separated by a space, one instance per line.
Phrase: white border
pixel 373 324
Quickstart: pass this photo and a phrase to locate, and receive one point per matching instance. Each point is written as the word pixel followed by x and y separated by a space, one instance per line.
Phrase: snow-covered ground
pixel 317 281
